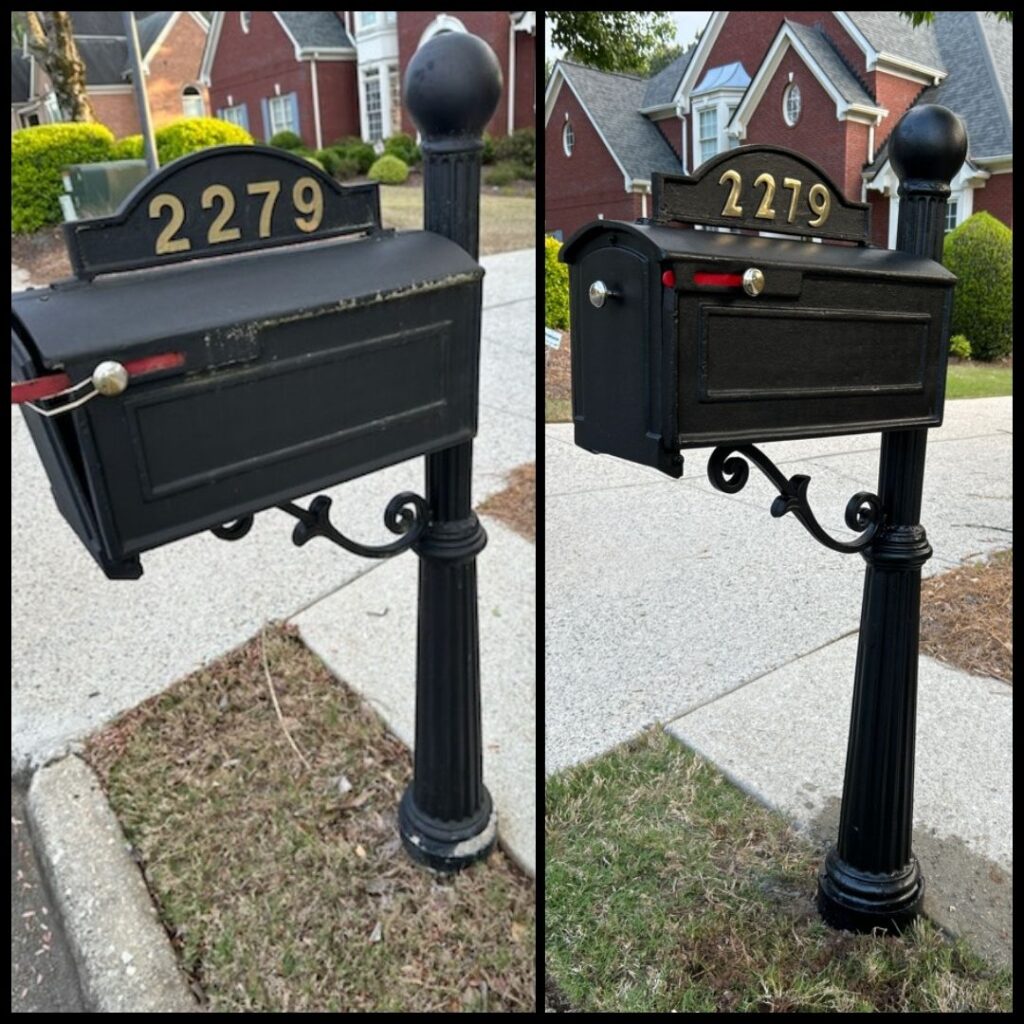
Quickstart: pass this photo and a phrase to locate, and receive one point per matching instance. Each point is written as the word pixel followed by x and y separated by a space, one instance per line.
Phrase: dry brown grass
pixel 558 383
pixel 516 505
pixel 967 617
pixel 286 890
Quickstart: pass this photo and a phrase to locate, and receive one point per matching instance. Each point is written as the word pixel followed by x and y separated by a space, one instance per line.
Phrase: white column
pixel 316 105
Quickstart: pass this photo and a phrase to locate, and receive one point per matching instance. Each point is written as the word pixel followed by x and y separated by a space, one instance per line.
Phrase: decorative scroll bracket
pixel 729 474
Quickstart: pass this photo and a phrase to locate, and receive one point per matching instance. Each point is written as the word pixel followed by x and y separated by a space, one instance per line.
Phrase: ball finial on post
pixel 928 146
pixel 452 87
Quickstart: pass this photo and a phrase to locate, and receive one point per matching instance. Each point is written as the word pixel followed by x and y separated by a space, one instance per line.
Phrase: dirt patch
pixel 516 505
pixel 967 617
pixel 279 873
pixel 558 382
pixel 42 254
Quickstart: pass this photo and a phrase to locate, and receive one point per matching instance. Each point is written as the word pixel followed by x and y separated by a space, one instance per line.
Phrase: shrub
pixel 285 140
pixel 501 174
pixel 128 148
pixel 389 170
pixel 189 134
pixel 356 149
pixel 488 152
pixel 38 155
pixel 313 160
pixel 960 347
pixel 329 160
pixel 556 286
pixel 980 253
pixel 520 147
pixel 526 173
pixel 346 168
pixel 404 147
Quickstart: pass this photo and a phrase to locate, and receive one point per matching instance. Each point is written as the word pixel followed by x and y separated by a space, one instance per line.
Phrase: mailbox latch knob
pixel 753 281
pixel 600 293
pixel 110 378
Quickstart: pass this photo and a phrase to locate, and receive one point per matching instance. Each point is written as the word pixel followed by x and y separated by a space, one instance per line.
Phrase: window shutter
pixel 265 109
pixel 294 98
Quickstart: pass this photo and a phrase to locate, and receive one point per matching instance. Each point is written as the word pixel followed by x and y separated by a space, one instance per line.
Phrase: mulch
pixel 516 505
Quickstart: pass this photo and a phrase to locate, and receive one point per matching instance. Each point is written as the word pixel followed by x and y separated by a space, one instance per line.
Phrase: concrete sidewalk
pixel 671 602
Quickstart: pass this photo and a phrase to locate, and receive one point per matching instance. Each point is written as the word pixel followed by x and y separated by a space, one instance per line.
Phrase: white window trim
pixel 786 93
pixel 274 127
pixel 221 114
pixel 378 72
pixel 246 26
pixel 198 96
pixel 442 23
pixel 372 26
pixel 699 139
pixel 567 145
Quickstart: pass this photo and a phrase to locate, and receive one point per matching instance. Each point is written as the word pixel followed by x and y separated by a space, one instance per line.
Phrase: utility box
pixel 199 392
pixel 686 338
pixel 97 190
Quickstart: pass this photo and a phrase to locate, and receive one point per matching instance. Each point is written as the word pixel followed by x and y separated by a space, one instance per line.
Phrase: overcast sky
pixel 687 24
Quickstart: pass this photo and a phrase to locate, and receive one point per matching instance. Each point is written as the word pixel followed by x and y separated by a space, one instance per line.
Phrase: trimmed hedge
pixel 389 170
pixel 520 147
pixel 980 253
pixel 501 174
pixel 556 286
pixel 188 134
pixel 346 168
pixel 286 140
pixel 404 147
pixel 329 160
pixel 38 155
pixel 128 148
pixel 355 149
pixel 487 156
pixel 960 347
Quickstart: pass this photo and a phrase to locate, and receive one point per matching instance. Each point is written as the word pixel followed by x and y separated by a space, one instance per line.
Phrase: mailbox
pixel 685 337
pixel 240 333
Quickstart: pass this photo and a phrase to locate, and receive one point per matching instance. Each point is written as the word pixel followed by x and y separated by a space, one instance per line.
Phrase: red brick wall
pixel 670 130
pixel 118 112
pixel 996 197
pixel 491 26
pixel 175 65
pixel 896 95
pixel 578 188
pixel 339 100
pixel 525 111
pixel 247 67
pixel 879 219
pixel 817 134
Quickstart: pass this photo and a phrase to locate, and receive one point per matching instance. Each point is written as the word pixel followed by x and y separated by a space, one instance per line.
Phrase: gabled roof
pixel 21 73
pixel 662 87
pixel 105 58
pixel 316 30
pixel 834 67
pixel 149 29
pixel 613 103
pixel 98 23
pixel 889 32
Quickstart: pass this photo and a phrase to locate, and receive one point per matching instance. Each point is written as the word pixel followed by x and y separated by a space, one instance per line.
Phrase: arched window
pixel 192 102
pixel 568 138
pixel 791 104
pixel 246 18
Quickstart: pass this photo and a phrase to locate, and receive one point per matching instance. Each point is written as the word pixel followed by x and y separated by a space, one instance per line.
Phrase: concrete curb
pixel 125 961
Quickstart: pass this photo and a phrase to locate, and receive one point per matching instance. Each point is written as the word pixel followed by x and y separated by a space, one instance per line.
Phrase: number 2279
pixel 818 198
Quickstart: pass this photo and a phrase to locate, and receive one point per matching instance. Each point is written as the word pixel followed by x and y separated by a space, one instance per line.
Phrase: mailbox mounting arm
pixel 729 473
pixel 406 514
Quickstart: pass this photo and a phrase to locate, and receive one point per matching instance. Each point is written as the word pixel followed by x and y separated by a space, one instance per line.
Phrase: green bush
pixel 128 148
pixel 389 170
pixel 356 149
pixel 960 347
pixel 329 160
pixel 556 286
pixel 404 147
pixel 189 134
pixel 346 168
pixel 520 147
pixel 526 173
pixel 501 174
pixel 488 152
pixel 285 140
pixel 38 155
pixel 980 253
pixel 313 160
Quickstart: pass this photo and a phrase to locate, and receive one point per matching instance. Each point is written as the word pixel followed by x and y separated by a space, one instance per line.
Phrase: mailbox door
pixel 617 354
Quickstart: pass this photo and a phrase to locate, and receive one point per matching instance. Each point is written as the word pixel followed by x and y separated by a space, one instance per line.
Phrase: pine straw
pixel 557 382
pixel 967 617
pixel 286 890
pixel 517 503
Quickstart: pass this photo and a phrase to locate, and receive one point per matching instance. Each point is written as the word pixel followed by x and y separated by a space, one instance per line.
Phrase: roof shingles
pixel 316 29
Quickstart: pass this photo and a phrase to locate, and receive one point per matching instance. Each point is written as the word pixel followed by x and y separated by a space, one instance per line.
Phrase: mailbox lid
pixel 83 323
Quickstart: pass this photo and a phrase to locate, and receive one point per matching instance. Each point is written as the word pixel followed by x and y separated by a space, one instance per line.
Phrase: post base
pixel 444 845
pixel 861 901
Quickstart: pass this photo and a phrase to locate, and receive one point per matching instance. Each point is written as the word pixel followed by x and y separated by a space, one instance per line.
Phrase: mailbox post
pixel 686 338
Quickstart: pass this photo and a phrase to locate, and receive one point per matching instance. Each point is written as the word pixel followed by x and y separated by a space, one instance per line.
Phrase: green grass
pixel 284 888
pixel 667 889
pixel 978 380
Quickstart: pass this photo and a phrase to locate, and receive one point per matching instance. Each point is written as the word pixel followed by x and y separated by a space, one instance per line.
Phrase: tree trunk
pixel 52 42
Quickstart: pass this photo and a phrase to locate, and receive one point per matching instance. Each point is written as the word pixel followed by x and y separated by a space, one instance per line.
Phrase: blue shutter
pixel 265 108
pixel 245 116
pixel 295 112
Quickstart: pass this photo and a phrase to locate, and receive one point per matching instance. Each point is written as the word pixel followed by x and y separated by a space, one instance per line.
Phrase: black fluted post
pixel 871 878
pixel 446 817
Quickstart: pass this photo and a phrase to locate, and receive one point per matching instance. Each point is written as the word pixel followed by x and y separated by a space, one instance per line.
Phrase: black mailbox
pixel 686 338
pixel 169 400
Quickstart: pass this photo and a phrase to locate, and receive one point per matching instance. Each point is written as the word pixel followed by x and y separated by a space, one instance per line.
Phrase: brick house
pixel 171 44
pixel 330 74
pixel 828 84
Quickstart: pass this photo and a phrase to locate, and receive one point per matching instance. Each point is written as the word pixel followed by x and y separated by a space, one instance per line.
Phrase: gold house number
pixel 307 201
pixel 818 198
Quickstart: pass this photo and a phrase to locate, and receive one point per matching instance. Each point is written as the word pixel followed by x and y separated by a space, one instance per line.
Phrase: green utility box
pixel 97 190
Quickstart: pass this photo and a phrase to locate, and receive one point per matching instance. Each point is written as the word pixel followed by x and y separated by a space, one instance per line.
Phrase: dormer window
pixel 791 104
pixel 367 19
